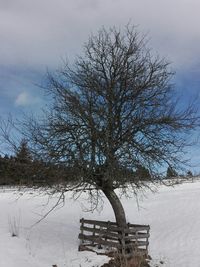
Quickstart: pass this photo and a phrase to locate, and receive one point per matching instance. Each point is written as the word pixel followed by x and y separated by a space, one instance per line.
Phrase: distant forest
pixel 23 169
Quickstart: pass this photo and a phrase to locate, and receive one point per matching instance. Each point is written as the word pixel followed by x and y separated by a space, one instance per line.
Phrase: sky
pixel 36 35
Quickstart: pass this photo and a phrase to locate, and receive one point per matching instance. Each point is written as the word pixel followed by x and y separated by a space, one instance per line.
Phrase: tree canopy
pixel 113 110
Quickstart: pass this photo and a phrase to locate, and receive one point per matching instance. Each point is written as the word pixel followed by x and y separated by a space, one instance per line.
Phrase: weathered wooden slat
pixel 134 230
pixel 101 231
pixel 137 236
pixel 137 227
pixel 98 222
pixel 99 240
pixel 105 225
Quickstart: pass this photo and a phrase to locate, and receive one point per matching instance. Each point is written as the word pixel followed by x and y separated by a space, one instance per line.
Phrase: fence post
pixel 93 234
pixel 82 239
pixel 82 224
pixel 123 243
pixel 147 240
pixel 107 230
pixel 100 235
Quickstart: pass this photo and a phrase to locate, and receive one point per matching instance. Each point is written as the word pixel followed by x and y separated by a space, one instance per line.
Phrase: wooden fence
pixel 130 241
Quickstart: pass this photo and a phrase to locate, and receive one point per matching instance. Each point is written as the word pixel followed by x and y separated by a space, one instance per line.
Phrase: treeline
pixel 22 169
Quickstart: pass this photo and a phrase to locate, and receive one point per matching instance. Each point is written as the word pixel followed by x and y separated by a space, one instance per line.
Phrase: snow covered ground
pixel 173 214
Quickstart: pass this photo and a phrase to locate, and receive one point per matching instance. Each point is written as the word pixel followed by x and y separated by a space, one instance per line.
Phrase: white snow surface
pixel 172 213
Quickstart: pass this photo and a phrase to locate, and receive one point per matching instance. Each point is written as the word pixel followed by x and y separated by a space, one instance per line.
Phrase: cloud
pixel 38 33
pixel 24 99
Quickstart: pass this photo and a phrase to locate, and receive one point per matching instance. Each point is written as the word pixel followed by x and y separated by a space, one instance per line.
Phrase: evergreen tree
pixel 171 172
pixel 189 173
pixel 23 154
pixel 143 173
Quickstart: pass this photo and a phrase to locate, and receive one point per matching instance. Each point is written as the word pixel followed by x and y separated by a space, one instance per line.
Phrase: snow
pixel 172 213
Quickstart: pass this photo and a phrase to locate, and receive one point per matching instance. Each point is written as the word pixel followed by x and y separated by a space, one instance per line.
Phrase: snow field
pixel 172 213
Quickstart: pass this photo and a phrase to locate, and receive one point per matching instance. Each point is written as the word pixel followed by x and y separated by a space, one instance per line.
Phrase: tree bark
pixel 117 207
pixel 119 213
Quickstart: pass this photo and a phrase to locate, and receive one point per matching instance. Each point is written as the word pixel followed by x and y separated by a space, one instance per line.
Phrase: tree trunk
pixel 117 207
pixel 119 214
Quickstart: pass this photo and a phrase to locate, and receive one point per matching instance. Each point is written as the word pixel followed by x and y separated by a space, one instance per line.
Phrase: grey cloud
pixel 39 33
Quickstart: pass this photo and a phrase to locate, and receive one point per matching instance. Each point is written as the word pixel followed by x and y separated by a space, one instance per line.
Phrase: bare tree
pixel 113 110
